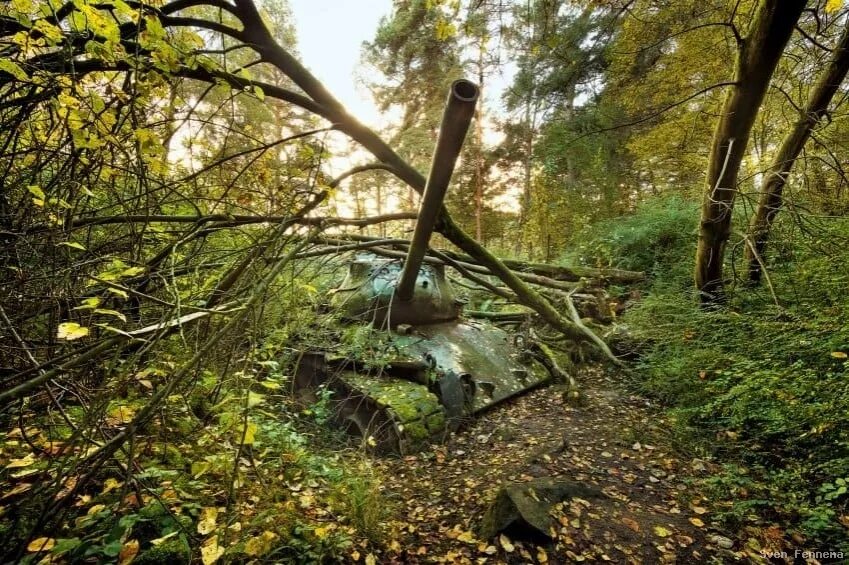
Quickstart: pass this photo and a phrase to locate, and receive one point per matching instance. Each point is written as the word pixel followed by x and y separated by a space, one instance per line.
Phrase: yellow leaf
pixel 254 399
pixel 110 484
pixel 542 556
pixel 839 355
pixel 23 462
pixel 699 509
pixel 506 543
pixel 119 292
pixel 210 552
pixel 261 544
pixel 355 555
pixel 41 544
pixel 71 331
pixel 20 489
pixel 120 415
pixel 23 6
pixel 662 532
pixel 206 523
pixel 249 433
pixel 833 5
pixel 74 245
pixel 467 537
pixel 697 522
pixel 95 509
pixel 128 552
pixel 370 560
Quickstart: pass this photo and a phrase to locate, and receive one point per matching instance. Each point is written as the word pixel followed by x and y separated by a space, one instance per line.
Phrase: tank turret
pixel 386 292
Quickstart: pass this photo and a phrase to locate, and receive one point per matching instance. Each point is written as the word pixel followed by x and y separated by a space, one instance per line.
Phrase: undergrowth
pixel 231 466
pixel 757 386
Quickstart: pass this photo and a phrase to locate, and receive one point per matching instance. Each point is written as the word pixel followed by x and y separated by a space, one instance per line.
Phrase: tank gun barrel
pixel 455 123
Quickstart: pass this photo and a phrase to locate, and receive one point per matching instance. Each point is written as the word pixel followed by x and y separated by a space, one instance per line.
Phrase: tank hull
pixel 437 378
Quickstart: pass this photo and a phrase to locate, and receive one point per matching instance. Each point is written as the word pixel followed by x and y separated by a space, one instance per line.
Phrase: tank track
pixel 392 414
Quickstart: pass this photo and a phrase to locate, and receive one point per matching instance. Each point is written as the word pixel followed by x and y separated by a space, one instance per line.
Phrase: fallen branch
pixel 564 273
pixel 220 221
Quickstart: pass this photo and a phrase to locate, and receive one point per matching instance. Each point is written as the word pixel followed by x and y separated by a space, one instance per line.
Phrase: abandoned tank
pixel 428 369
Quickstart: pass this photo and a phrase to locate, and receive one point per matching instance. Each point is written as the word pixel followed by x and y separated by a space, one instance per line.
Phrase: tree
pixel 758 55
pixel 770 200
pixel 667 63
pixel 568 178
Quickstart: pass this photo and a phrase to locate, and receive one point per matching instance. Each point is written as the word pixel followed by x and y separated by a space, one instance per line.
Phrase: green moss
pixel 170 551
pixel 416 430
pixel 406 412
pixel 436 422
pixel 412 405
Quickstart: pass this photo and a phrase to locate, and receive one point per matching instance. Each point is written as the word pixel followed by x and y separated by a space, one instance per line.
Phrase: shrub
pixel 759 387
pixel 658 238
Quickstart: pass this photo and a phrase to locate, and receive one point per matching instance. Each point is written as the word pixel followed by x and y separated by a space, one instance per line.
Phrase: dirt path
pixel 645 512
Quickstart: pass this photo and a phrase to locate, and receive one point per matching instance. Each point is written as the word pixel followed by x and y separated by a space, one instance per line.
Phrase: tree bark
pixel 757 58
pixel 772 188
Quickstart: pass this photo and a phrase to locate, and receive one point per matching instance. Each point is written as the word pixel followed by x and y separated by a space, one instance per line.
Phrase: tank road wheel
pixel 360 417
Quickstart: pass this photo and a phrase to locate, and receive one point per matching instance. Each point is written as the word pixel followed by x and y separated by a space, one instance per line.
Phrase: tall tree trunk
pixel 527 169
pixel 771 200
pixel 757 58
pixel 479 165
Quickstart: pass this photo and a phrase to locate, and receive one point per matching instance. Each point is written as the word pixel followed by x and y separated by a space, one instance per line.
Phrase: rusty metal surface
pixel 429 369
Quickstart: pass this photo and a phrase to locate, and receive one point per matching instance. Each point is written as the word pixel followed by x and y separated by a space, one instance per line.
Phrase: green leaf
pixel 271 385
pixel 199 468
pixel 118 292
pixel 12 68
pixel 65 545
pixel 89 303
pixel 107 312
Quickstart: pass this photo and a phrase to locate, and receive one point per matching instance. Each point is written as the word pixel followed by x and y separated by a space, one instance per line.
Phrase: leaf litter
pixel 649 511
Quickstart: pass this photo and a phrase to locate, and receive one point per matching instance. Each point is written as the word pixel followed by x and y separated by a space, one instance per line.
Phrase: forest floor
pixel 645 508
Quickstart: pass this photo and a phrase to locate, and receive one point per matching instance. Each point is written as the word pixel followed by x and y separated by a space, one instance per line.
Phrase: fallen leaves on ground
pixel 612 441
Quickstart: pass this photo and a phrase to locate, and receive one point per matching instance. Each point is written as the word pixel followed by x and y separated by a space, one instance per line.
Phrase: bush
pixel 758 387
pixel 659 238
